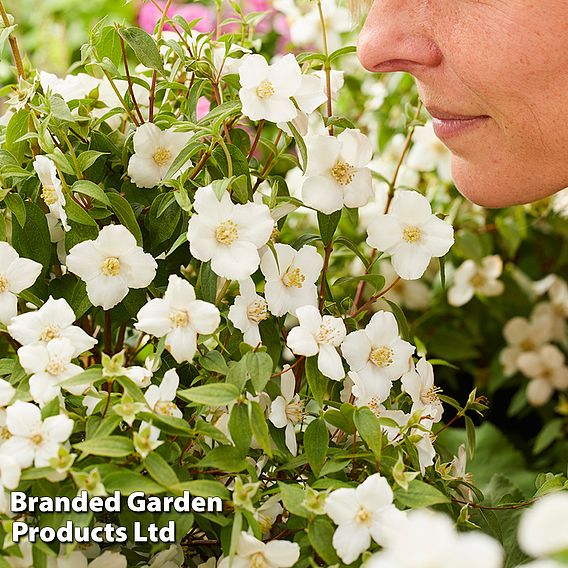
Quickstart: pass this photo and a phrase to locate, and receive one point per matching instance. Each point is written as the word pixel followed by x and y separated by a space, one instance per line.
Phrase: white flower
pixel 33 440
pixel 542 528
pixel 253 553
pixel 9 472
pixel 172 557
pixel 53 320
pixel 267 513
pixel 419 384
pixel 337 172
pixel 317 335
pixel 411 234
pixel 70 87
pixel 110 265
pixel 266 89
pixel 52 190
pixel 366 393
pixel 413 294
pixel 248 310
pixel 560 203
pixel 377 353
pixel 154 152
pixel 16 274
pixel 290 284
pixel 458 471
pixel 428 153
pixel 360 514
pixel 180 317
pixel 50 364
pixel 146 440
pixel 470 278
pixel 159 398
pixel 547 370
pixel 427 538
pixel 287 410
pixel 7 392
pixel 228 235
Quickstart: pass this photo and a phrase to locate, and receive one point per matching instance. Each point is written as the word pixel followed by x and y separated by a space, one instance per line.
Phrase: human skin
pixel 502 62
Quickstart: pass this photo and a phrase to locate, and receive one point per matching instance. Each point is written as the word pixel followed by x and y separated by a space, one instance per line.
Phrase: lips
pixel 449 124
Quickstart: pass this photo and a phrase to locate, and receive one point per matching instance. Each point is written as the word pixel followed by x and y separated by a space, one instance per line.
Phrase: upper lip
pixel 445 115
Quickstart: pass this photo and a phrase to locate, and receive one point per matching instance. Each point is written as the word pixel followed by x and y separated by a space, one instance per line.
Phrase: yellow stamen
pixel 265 90
pixel 382 356
pixel 257 561
pixel 227 233
pixel 363 516
pixel 55 367
pixel 50 332
pixel 110 266
pixel 293 278
pixel 343 173
pixel 37 439
pixel 257 311
pixel 411 234
pixel 165 407
pixel 179 319
pixel 4 284
pixel 162 156
pixel 48 195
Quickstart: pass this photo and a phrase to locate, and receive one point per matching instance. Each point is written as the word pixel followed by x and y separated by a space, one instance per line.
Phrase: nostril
pixel 394 65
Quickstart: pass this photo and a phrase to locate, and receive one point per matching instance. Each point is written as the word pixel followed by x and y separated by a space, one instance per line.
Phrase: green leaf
pixel 317 383
pixel 16 205
pixel 341 52
pixel 259 367
pixel 91 189
pixel 369 427
pixel 203 488
pixel 168 424
pixel 129 481
pixel 77 214
pixel 377 280
pixel 33 240
pixel 320 533
pixel 218 394
pixel 552 431
pixel 208 281
pixel 293 498
pixel 259 427
pixel 107 44
pixel 316 444
pixel 143 46
pixel 327 225
pixel 109 446
pixel 403 327
pixel 90 376
pixel 125 214
pixel 87 158
pixel 60 110
pixel 17 127
pixel 184 155
pixel 301 146
pixel 239 427
pixel 160 470
pixel 470 431
pixel 213 361
pixel 419 494
pixel 226 458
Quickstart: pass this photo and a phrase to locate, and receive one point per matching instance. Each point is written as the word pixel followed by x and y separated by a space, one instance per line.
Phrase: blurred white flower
pixel 471 278
pixel 10 472
pixel 337 172
pixel 419 384
pixel 7 392
pixel 253 553
pixel 542 528
pixel 412 294
pixel 70 87
pixel 154 152
pixel 366 393
pixel 146 439
pixel 547 370
pixel 16 274
pixel 53 320
pixel 411 234
pixel 111 265
pixel 377 353
pixel 287 410
pixel 458 470
pixel 180 317
pixel 321 336
pixel 428 153
pixel 267 513
pixel 266 90
pixel 52 190
pixel 362 513
pixel 160 398
pixel 290 283
pixel 248 310
pixel 33 440
pixel 560 203
pixel 228 234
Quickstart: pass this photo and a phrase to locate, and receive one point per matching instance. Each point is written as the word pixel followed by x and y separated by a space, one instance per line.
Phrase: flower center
pixel 5 434
pixel 4 284
pixel 265 90
pixel 478 280
pixel 293 278
pixel 110 266
pixel 382 356
pixel 49 195
pixel 257 311
pixel 227 233
pixel 162 156
pixel 327 334
pixel 295 410
pixel 411 234
pixel 257 561
pixel 165 407
pixel 430 396
pixel 343 173
pixel 37 439
pixel 374 405
pixel 527 344
pixel 179 319
pixel 50 332
pixel 55 367
pixel 363 516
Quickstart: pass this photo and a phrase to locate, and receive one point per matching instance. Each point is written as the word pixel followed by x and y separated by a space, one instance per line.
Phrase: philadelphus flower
pixel 317 335
pixel 360 514
pixel 471 278
pixel 287 410
pixel 228 234
pixel 547 370
pixel 377 353
pixel 248 311
pixel 266 89
pixel 33 440
pixel 428 153
pixel 52 190
pixel 154 152
pixel 542 529
pixel 366 393
pixel 16 274
pixel 111 265
pixel 54 320
pixel 411 234
pixel 290 284
pixel 180 317
pixel 419 384
pixel 337 172
pixel 253 553
pixel 159 398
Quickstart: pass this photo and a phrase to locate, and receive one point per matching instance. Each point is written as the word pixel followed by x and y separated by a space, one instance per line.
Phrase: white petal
pixel 106 291
pixel 8 307
pixel 301 342
pixel 323 194
pixel 153 318
pixel 179 293
pixel 204 317
pixel 341 505
pixel 23 419
pixel 282 553
pixel 410 261
pixel 329 363
pixel 350 540
pixel 22 273
pixel 181 342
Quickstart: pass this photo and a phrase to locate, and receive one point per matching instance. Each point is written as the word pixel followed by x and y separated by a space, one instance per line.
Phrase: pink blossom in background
pixel 149 15
pixel 203 106
pixel 274 20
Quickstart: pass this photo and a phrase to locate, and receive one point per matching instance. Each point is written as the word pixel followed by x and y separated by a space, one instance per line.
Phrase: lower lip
pixel 448 128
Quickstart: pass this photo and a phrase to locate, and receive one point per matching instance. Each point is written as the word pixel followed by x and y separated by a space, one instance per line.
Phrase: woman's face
pixel 494 76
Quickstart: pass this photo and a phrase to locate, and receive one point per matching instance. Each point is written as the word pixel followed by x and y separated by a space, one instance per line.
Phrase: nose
pixel 398 36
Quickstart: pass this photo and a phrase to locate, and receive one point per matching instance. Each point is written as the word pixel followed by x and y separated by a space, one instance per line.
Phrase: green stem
pixel 13 44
